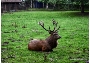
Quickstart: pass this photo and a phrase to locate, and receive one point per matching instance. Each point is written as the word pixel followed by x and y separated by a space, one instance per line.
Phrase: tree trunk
pixel 31 4
pixel 36 5
pixel 54 6
pixel 47 6
pixel 43 4
pixel 1 9
pixel 5 7
pixel 82 6
pixel 15 7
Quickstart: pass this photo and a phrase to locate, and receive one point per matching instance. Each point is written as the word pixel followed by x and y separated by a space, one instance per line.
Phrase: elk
pixel 49 43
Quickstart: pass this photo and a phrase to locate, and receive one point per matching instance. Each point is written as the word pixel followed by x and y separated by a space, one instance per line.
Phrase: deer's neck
pixel 52 42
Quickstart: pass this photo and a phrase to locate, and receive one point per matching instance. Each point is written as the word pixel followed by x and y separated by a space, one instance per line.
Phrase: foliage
pixel 63 1
pixel 27 1
pixel 46 1
pixel 19 27
pixel 60 4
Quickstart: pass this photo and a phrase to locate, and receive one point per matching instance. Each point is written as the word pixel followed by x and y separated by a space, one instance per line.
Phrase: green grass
pixel 19 27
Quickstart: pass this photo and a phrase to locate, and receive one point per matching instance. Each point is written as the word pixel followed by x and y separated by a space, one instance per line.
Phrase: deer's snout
pixel 59 37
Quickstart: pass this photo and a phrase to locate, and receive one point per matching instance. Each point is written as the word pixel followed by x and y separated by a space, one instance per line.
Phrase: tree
pixel 81 3
pixel 64 4
pixel 30 3
pixel 53 2
pixel 78 2
pixel 45 1
pixel 27 3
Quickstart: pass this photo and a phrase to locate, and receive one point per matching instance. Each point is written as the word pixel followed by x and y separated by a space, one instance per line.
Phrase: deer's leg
pixel 45 49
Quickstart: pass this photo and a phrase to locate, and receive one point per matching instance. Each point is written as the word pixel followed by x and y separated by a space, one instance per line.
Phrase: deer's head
pixel 54 32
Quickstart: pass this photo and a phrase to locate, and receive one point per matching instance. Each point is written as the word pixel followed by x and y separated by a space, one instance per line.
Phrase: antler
pixel 55 25
pixel 54 22
pixel 42 24
pixel 57 29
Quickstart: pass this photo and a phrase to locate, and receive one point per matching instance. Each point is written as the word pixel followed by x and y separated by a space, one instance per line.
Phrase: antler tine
pixel 57 29
pixel 42 24
pixel 55 24
pixel 54 28
pixel 49 28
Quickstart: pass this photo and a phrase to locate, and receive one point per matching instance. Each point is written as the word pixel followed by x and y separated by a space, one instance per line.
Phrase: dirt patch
pixel 5 43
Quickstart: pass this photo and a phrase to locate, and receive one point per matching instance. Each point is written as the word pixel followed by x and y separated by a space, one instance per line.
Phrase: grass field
pixel 19 27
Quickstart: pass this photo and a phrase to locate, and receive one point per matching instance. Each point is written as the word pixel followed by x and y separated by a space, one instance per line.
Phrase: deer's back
pixel 38 45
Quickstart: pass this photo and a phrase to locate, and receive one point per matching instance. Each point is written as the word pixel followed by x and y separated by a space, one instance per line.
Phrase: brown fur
pixel 44 45
pixel 49 43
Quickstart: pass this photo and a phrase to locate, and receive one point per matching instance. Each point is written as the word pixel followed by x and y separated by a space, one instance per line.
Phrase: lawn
pixel 18 28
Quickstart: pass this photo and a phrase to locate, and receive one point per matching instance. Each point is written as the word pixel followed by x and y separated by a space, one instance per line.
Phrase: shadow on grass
pixel 79 14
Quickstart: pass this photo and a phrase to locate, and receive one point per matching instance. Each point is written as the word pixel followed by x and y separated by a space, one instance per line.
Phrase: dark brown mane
pixel 52 42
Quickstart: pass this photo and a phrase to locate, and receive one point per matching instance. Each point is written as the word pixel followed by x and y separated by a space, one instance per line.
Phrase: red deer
pixel 49 43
